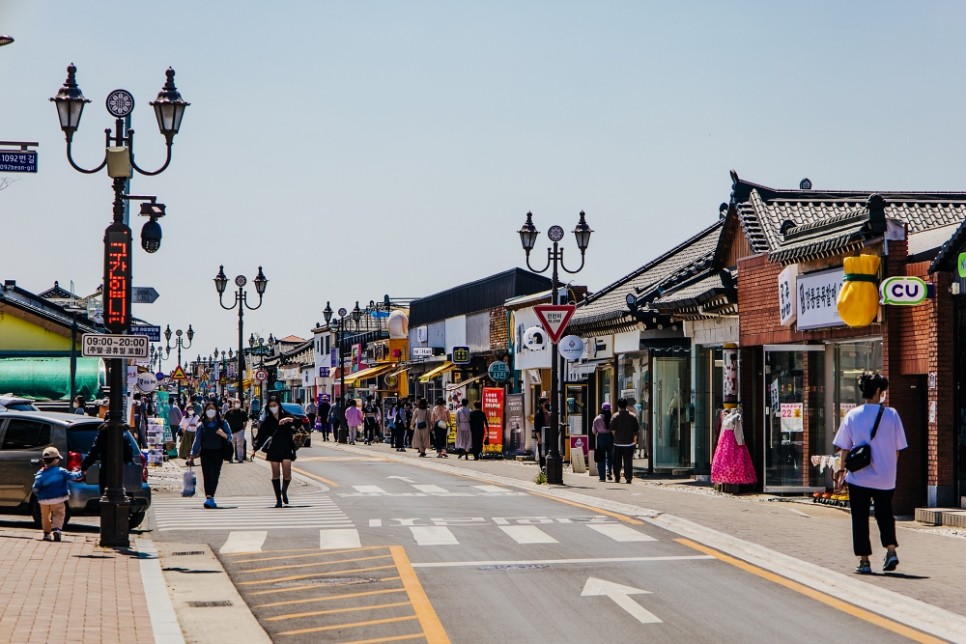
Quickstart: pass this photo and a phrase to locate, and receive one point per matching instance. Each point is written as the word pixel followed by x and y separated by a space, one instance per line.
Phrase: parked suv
pixel 23 437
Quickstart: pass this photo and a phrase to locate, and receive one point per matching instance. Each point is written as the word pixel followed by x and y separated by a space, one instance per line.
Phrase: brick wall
pixel 499 329
pixel 942 433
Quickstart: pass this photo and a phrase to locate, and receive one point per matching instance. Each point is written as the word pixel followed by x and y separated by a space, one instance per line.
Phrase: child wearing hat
pixel 50 488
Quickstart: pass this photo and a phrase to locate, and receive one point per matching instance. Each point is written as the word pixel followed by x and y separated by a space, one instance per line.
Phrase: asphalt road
pixel 389 551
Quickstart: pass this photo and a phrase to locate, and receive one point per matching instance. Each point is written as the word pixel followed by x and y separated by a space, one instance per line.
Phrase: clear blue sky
pixel 361 148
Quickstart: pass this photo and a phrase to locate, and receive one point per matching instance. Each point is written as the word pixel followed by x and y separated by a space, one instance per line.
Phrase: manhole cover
pixel 513 567
pixel 209 604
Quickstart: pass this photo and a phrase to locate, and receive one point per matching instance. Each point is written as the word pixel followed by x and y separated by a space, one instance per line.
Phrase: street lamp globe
pixel 70 103
pixel 261 282
pixel 251 341
pixel 221 280
pixel 5 39
pixel 327 312
pixel 191 334
pixel 528 234
pixel 582 233
pixel 167 333
pixel 169 108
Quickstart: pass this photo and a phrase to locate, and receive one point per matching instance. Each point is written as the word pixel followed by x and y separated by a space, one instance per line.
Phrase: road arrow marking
pixel 401 478
pixel 621 596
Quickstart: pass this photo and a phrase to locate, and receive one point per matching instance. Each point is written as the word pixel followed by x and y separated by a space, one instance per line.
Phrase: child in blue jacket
pixel 50 488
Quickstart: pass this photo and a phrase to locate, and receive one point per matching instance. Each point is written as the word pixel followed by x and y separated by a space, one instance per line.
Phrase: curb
pixel 164 621
pixel 895 606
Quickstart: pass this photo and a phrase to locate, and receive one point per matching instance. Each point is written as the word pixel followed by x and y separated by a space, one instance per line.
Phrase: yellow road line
pixel 275 591
pixel 314 563
pixel 318 574
pixel 428 619
pixel 394 638
pixel 334 611
pixel 335 627
pixel 321 479
pixel 838 604
pixel 311 600
pixel 620 517
pixel 314 553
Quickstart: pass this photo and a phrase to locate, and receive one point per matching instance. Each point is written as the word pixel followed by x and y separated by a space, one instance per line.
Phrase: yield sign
pixel 178 374
pixel 554 318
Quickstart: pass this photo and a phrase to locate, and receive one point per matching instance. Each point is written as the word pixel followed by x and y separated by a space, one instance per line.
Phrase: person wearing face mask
pixel 189 423
pixel 237 418
pixel 210 438
pixel 275 439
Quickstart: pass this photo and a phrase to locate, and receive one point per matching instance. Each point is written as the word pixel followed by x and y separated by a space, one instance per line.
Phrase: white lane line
pixel 244 541
pixel 552 562
pixel 492 489
pixel 375 523
pixel 525 534
pixel 368 489
pixel 264 526
pixel 338 539
pixel 433 536
pixel 619 532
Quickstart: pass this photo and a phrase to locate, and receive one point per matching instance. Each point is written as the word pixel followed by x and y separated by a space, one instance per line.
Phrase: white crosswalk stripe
pixel 244 541
pixel 526 534
pixel 620 533
pixel 433 536
pixel 247 514
pixel 337 538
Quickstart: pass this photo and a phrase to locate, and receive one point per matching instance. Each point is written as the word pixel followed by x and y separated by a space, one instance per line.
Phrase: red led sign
pixel 117 278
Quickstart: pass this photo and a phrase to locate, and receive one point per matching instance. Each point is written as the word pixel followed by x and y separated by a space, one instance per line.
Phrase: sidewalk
pixel 816 535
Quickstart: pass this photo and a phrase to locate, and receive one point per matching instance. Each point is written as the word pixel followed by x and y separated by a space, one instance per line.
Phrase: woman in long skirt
pixel 440 421
pixel 420 426
pixel 464 436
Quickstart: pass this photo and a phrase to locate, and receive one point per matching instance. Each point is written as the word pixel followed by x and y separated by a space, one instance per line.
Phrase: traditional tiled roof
pixel 946 259
pixel 56 293
pixel 608 306
pixel 710 295
pixel 765 211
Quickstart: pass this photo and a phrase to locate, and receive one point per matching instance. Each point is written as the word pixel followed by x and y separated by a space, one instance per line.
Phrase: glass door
pixel 794 417
pixel 672 412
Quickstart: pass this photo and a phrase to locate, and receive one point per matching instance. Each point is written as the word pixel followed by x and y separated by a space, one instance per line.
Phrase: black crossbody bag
pixel 860 456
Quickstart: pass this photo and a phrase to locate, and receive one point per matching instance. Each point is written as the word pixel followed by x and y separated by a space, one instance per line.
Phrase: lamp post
pixel 257 347
pixel 341 436
pixel 169 110
pixel 528 238
pixel 179 343
pixel 241 301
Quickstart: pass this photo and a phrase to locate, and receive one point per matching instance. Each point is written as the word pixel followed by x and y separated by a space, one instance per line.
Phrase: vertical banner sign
pixel 516 422
pixel 729 374
pixel 117 278
pixel 493 408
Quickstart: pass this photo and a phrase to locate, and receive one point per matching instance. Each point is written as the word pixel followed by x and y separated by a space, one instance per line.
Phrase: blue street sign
pixel 323 372
pixel 18 161
pixel 153 332
pixel 159 375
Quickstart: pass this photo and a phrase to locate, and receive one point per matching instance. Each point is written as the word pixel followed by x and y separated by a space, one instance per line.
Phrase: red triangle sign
pixel 178 374
pixel 554 318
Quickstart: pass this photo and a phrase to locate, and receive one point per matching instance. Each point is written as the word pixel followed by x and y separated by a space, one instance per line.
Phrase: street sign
pixel 153 332
pixel 498 371
pixel 223 380
pixel 18 161
pixel 461 355
pixel 261 375
pixel 96 345
pixel 147 382
pixel 159 375
pixel 178 374
pixel 144 295
pixel 554 318
pixel 323 372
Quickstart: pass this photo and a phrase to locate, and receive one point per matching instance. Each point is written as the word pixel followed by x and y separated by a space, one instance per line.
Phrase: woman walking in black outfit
pixel 211 436
pixel 478 428
pixel 275 439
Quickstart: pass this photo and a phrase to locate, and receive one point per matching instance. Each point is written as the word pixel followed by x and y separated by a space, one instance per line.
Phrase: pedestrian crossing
pixel 247 514
pixel 420 490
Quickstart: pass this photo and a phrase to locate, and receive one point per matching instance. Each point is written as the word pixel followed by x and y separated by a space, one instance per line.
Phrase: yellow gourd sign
pixel 858 302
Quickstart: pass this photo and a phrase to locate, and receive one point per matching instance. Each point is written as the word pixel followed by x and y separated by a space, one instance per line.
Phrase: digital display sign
pixel 117 278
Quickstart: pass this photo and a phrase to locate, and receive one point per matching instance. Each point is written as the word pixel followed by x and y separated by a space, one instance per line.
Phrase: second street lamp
pixel 241 301
pixel 528 239
pixel 179 343
pixel 342 434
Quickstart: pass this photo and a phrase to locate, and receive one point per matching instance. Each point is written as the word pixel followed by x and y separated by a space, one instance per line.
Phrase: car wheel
pixel 35 513
pixel 136 519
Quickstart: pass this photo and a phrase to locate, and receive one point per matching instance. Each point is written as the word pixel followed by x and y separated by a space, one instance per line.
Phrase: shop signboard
pixel 498 371
pixel 571 347
pixel 792 417
pixel 516 421
pixel 461 355
pixel 903 290
pixel 334 358
pixel 961 264
pixel 493 408
pixel 786 295
pixel 817 296
pixel 422 352
pixel 579 442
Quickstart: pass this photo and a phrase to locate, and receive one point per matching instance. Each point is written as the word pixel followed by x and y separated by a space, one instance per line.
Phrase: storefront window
pixel 794 417
pixel 850 361
pixel 707 405
pixel 604 378
pixel 672 412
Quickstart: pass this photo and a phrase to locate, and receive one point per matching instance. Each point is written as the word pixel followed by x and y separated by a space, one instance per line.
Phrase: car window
pixel 26 434
pixel 80 437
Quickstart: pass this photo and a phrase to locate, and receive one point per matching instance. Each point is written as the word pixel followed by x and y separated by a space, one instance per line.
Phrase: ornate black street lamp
pixel 241 301
pixel 179 343
pixel 169 109
pixel 341 436
pixel 528 239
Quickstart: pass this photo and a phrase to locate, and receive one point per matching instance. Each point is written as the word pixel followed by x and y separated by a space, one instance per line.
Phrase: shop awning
pixel 352 378
pixel 438 371
pixel 469 381
pixel 588 367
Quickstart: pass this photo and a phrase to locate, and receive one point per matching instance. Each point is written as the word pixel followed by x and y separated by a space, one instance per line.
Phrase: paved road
pixel 389 551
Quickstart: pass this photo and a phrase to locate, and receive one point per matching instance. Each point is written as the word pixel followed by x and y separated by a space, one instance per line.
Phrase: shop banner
pixel 516 422
pixel 493 408
pixel 818 296
pixel 787 312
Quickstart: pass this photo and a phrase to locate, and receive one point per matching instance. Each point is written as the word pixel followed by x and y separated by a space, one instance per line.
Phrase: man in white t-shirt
pixel 877 481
